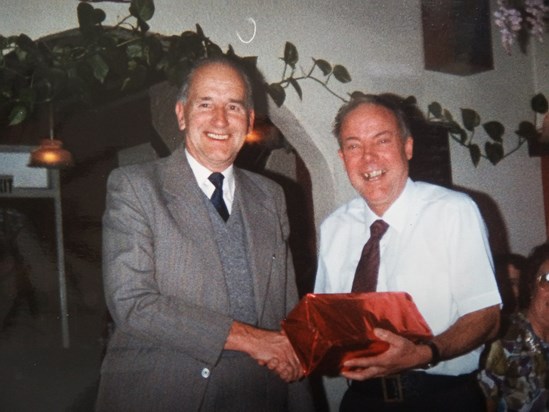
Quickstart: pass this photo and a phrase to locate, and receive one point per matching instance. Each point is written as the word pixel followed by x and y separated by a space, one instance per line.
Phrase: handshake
pixel 269 348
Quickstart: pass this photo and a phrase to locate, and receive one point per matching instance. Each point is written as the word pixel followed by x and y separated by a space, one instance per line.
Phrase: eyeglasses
pixel 544 277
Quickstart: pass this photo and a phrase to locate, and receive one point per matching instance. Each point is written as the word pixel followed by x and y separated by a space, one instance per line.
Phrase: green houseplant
pixel 95 62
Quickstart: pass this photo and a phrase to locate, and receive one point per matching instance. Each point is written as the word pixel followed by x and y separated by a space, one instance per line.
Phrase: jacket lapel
pixel 260 222
pixel 185 200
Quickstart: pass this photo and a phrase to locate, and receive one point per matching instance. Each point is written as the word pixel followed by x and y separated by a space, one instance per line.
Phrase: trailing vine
pixel 464 133
pixel 96 62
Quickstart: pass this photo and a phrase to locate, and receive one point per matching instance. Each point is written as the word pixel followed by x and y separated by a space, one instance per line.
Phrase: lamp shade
pixel 51 155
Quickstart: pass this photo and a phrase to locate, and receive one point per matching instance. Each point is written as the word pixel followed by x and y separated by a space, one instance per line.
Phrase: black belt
pixel 410 385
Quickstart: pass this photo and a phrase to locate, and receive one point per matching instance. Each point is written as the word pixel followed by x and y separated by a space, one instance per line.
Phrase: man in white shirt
pixel 435 248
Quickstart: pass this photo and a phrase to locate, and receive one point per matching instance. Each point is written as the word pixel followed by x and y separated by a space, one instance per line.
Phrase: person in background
pixel 515 377
pixel 509 267
pixel 434 247
pixel 197 271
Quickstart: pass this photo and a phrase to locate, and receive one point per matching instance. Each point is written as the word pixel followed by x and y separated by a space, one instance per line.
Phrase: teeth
pixel 374 174
pixel 218 136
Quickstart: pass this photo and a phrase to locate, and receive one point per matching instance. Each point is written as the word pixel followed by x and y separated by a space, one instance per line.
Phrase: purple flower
pixel 511 20
pixel 536 10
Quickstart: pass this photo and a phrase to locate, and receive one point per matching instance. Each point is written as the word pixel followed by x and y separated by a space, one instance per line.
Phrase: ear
pixel 409 147
pixel 340 153
pixel 251 120
pixel 180 114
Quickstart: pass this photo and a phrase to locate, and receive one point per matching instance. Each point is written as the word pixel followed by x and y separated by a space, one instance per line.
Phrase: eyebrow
pixel 237 101
pixel 384 132
pixel 347 138
pixel 231 101
pixel 380 134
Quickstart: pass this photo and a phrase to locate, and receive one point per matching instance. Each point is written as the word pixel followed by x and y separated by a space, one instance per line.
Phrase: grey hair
pixel 221 60
pixel 385 101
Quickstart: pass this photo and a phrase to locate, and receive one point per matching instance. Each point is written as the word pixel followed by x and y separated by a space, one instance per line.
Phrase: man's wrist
pixel 435 354
pixel 241 337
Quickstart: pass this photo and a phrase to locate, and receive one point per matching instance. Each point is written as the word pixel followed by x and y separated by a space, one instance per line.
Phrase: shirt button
pixel 205 373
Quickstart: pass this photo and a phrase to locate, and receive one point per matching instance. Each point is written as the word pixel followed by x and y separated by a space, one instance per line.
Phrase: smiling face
pixel 375 155
pixel 214 116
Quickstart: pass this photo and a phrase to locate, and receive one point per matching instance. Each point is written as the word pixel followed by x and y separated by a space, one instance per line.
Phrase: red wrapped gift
pixel 327 329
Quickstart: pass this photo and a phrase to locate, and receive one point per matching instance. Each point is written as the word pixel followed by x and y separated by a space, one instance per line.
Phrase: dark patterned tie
pixel 368 266
pixel 217 197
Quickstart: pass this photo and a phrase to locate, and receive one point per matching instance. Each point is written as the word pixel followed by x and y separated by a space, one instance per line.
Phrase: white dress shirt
pixel 436 249
pixel 201 174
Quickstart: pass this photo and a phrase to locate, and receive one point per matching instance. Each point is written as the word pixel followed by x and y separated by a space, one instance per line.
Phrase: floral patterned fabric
pixel 515 376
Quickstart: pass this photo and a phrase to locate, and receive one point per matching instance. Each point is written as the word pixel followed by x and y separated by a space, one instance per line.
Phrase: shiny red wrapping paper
pixel 327 329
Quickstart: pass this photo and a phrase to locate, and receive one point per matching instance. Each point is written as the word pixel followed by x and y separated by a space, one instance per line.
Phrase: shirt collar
pixel 201 174
pixel 396 215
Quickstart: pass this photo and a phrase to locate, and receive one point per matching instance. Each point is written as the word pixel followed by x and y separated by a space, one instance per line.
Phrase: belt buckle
pixel 392 388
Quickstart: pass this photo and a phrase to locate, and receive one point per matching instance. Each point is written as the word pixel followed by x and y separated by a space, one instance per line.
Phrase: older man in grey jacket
pixel 197 274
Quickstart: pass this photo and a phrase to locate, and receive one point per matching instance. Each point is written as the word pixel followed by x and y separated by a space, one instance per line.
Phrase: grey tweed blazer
pixel 165 287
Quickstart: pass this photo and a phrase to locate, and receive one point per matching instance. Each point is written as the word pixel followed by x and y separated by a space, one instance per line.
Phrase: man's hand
pixel 402 354
pixel 268 348
pixel 469 332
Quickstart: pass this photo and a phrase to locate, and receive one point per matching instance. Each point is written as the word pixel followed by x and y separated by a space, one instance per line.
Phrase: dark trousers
pixel 415 391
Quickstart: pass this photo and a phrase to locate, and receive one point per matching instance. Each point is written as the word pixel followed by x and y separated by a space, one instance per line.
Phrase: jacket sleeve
pixel 133 296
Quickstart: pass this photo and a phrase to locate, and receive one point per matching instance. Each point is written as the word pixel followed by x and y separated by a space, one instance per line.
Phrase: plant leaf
pixel 188 46
pixel 297 87
pixel 290 54
pixel 539 103
pixel 435 109
pixel 25 42
pixel 99 67
pixel 88 16
pixel 142 9
pixel 250 61
pixel 356 94
pixel 324 66
pixel 470 118
pixel 85 14
pixel 528 131
pixel 447 116
pixel 455 128
pixel 410 101
pixel 152 50
pixel 143 25
pixel 495 130
pixel 17 115
pixel 4 42
pixel 494 152
pixel 136 78
pixel 341 74
pixel 99 15
pixel 134 50
pixel 474 151
pixel 199 31
pixel 213 49
pixel 89 19
pixel 277 92
pixel 5 92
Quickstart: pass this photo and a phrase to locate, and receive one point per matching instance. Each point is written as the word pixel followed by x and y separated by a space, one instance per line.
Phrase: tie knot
pixel 217 179
pixel 378 228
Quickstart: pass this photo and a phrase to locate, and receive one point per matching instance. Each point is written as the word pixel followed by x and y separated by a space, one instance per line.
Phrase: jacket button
pixel 205 373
